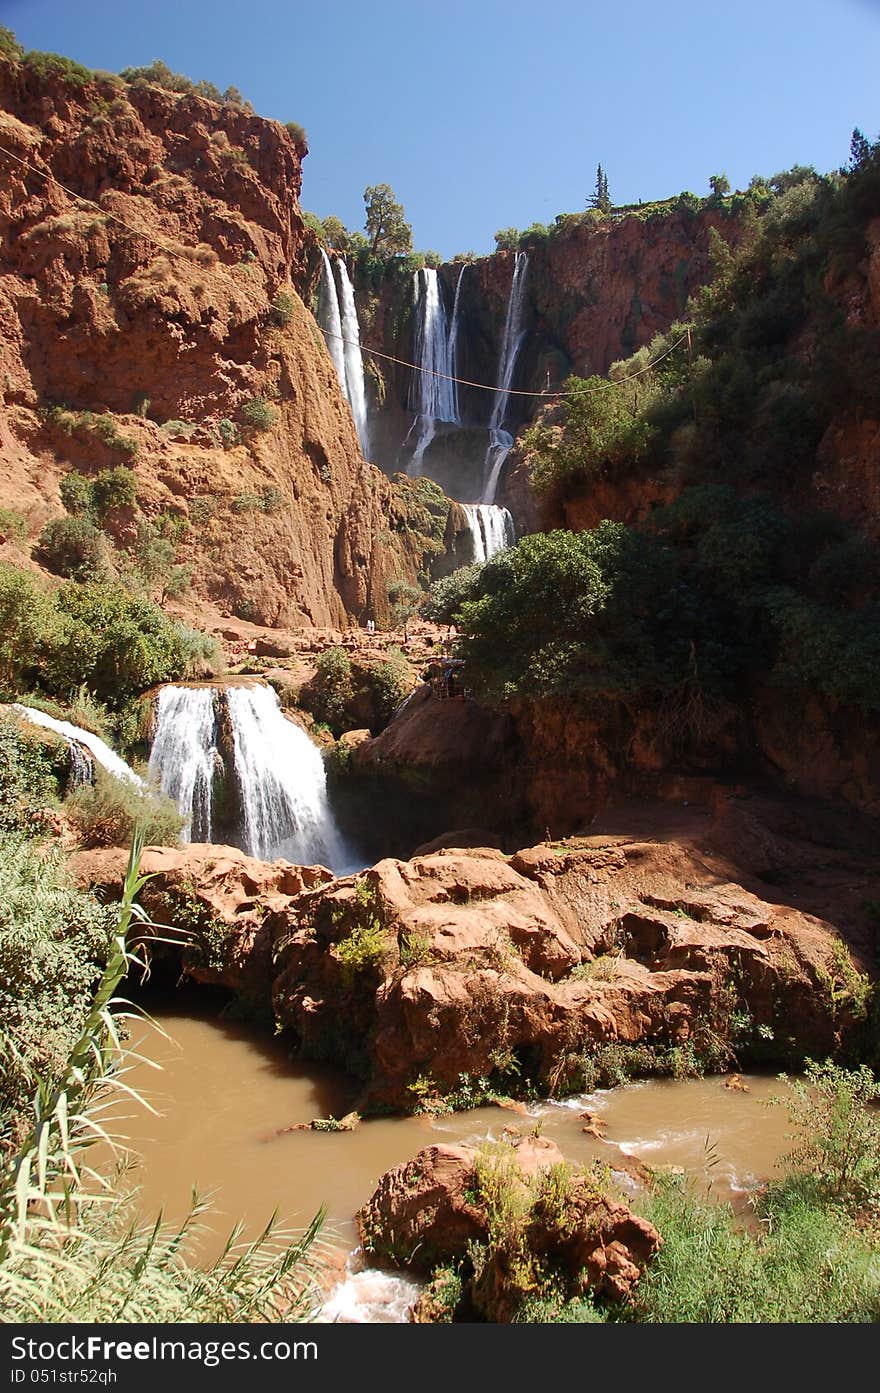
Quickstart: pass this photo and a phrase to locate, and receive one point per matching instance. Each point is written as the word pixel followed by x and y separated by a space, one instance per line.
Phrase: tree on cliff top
pixel 386 228
pixel 600 198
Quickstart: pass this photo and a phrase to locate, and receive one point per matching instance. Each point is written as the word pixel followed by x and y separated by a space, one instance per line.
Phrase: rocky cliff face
pixel 158 288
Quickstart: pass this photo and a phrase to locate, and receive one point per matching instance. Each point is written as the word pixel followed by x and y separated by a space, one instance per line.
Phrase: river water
pixel 225 1094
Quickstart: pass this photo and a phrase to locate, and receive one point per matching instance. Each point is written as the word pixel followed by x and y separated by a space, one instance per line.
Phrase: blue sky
pixel 484 114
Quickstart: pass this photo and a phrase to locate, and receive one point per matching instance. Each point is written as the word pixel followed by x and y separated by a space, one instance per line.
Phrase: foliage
pixel 282 308
pixel 88 424
pixel 26 622
pixel 297 133
pixel 13 527
pixel 837 1131
pixel 330 693
pixel 259 413
pixel 49 66
pixel 507 239
pixel 446 597
pixel 76 548
pixel 406 601
pixel 69 1247
pixel 116 643
pixel 9 45
pixel 106 813
pixel 29 774
pixel 159 74
pixel 600 197
pixel 53 942
pixel 98 496
pixel 387 231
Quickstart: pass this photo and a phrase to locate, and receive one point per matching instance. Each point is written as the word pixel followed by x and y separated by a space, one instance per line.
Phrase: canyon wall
pixel 152 252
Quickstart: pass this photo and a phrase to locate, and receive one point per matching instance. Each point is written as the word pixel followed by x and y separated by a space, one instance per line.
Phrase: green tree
pixel 388 231
pixel 719 184
pixel 335 234
pixel 405 600
pixel 600 198
pixel 507 239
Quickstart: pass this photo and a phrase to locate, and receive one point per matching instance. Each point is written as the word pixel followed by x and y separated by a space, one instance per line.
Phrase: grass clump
pixel 106 813
pixel 259 414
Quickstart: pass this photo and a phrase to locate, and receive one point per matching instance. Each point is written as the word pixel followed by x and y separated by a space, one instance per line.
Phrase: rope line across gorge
pixel 351 343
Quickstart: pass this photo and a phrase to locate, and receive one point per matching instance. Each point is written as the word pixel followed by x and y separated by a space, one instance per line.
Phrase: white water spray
pixel 330 319
pixel 184 757
pixel 500 440
pixel 433 394
pixel 100 751
pixel 353 358
pixel 491 529
pixel 283 784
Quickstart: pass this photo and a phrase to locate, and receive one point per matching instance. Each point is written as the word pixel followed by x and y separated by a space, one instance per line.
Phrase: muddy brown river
pixel 223 1093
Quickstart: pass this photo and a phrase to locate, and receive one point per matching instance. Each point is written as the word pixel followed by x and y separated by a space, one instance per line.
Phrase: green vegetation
pixel 259 413
pixel 49 66
pixel 9 45
pixel 70 1247
pixel 30 769
pixel 388 233
pixel 297 133
pixel 158 74
pixel 76 548
pixel 600 197
pixel 13 527
pixel 88 425
pixel 346 695
pixel 106 813
pixel 281 312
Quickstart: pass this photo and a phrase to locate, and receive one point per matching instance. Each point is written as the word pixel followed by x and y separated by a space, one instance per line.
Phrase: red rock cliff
pixel 160 284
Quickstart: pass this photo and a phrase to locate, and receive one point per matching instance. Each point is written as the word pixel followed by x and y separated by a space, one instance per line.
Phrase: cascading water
pixel 500 440
pixel 184 757
pixel 330 319
pixel 97 748
pixel 353 358
pixel 433 393
pixel 283 785
pixel 280 785
pixel 491 529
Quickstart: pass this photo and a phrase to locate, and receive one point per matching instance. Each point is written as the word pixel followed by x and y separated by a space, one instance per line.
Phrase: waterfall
pixel 330 319
pixel 283 784
pixel 433 395
pixel 354 363
pixel 279 773
pixel 500 440
pixel 97 748
pixel 184 756
pixel 491 529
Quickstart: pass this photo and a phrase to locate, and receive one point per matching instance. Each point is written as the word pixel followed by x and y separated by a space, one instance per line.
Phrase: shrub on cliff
pixel 259 413
pixel 26 622
pixel 50 66
pixel 330 693
pixel 30 769
pixel 76 548
pixel 9 45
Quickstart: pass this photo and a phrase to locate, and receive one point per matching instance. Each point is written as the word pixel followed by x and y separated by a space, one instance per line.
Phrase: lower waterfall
pixel 491 529
pixel 222 748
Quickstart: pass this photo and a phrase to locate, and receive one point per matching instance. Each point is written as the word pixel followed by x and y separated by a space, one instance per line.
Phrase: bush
pixel 53 941
pixel 259 413
pixel 116 643
pixel 74 547
pixel 26 625
pixel 9 45
pixel 107 812
pixel 30 770
pixel 13 527
pixel 330 693
pixel 296 132
pixel 282 308
pixel 52 66
pixel 114 488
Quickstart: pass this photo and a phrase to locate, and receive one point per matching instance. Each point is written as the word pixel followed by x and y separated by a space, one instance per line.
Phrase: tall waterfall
pixel 75 735
pixel 184 757
pixel 500 440
pixel 330 319
pixel 433 394
pixel 283 784
pixel 491 529
pixel 354 362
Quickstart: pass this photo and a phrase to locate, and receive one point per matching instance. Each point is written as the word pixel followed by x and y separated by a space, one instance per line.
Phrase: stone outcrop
pixel 434 1210
pixel 152 255
pixel 468 964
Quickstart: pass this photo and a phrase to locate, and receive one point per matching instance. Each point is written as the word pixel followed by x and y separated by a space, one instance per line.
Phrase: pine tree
pixel 600 198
